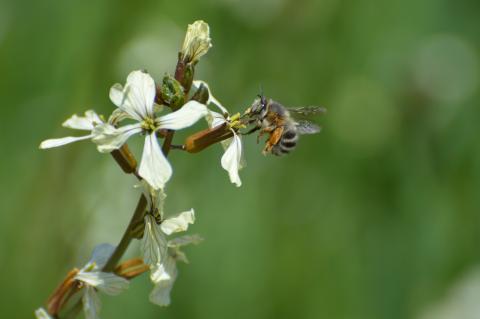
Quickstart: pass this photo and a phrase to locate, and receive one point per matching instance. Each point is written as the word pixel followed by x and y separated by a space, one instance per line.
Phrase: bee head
pixel 259 105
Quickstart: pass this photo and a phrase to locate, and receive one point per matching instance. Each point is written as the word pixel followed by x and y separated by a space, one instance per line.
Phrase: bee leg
pixel 274 139
pixel 264 130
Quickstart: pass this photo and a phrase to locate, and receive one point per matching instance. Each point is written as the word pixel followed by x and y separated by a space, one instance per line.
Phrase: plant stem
pixel 127 236
pixel 128 164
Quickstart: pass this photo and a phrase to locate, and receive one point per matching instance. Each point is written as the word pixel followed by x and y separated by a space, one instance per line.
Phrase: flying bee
pixel 283 125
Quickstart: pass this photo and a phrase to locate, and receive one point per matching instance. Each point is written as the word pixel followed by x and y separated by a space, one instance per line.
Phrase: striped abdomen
pixel 287 142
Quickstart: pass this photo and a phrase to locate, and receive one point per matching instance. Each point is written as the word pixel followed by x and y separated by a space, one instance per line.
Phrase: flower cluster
pixel 136 102
pixel 154 111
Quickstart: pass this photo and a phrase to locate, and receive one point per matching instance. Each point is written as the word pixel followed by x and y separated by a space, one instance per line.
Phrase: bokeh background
pixel 376 217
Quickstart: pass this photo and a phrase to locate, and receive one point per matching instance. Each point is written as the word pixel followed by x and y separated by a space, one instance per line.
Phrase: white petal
pixel 215 119
pixel 142 90
pixel 163 276
pixel 91 303
pixel 118 115
pixel 185 240
pixel 155 198
pixel 211 98
pixel 231 160
pixel 163 271
pixel 178 223
pixel 86 122
pixel 119 97
pixel 100 255
pixel 188 115
pixel 108 283
pixel 93 117
pixel 154 243
pixel 154 166
pixel 55 142
pixel 137 97
pixel 109 138
pixel 42 314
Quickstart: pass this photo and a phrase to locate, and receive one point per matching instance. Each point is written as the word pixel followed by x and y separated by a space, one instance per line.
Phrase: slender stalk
pixel 128 164
pixel 127 236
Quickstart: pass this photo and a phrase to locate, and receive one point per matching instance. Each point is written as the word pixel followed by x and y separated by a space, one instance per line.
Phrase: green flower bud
pixel 172 92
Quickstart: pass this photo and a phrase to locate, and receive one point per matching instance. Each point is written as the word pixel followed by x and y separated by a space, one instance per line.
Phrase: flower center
pixel 148 124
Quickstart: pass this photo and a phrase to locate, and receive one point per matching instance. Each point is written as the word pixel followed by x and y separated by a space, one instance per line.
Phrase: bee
pixel 283 125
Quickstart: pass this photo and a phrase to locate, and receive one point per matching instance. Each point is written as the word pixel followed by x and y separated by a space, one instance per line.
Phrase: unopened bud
pixel 197 42
pixel 172 92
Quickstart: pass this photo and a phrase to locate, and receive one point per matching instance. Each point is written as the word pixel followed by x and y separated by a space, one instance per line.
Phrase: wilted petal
pixel 163 276
pixel 154 243
pixel 231 160
pixel 55 142
pixel 188 115
pixel 180 255
pixel 178 223
pixel 108 283
pixel 155 198
pixel 154 167
pixel 42 314
pixel 185 240
pixel 109 138
pixel 86 122
pixel 91 303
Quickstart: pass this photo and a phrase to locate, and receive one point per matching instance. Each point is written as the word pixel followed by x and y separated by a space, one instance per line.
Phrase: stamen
pixel 148 124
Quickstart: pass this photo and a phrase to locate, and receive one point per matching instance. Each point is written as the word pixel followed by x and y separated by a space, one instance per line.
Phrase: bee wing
pixel 306 111
pixel 306 127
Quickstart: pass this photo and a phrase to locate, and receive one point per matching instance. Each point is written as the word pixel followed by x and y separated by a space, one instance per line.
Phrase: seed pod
pixel 201 140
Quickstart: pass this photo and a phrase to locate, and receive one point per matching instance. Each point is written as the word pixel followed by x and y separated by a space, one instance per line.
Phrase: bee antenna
pixel 262 96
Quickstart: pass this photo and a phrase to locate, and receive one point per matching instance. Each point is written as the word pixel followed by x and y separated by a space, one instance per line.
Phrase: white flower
pixel 86 123
pixel 232 160
pixel 136 100
pixel 94 279
pixel 154 242
pixel 165 274
pixel 41 313
pixel 197 41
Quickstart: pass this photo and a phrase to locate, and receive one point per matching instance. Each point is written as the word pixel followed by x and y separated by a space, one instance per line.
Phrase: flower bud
pixel 197 42
pixel 171 92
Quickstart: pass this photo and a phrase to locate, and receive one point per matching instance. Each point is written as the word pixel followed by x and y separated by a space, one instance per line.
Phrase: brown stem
pixel 180 70
pixel 125 159
pixel 127 162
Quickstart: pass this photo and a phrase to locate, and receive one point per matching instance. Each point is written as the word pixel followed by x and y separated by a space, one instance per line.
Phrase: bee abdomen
pixel 287 143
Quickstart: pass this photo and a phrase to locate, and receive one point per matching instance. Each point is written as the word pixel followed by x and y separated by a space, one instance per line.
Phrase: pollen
pixel 148 124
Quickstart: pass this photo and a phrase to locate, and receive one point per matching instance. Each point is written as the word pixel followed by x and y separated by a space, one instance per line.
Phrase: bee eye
pixel 264 101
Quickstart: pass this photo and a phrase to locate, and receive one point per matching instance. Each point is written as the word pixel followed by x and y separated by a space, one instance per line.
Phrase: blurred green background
pixel 377 217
